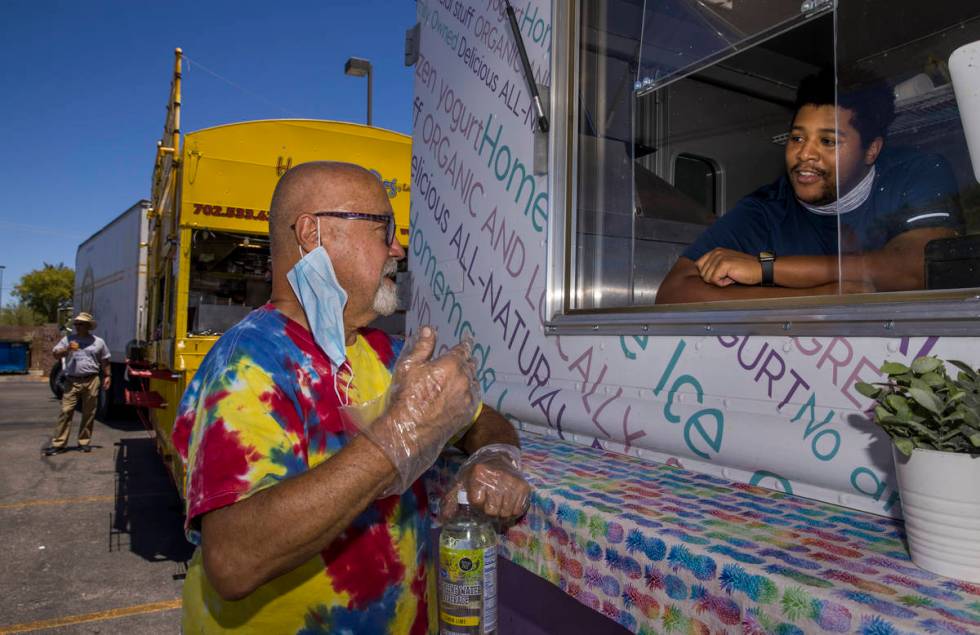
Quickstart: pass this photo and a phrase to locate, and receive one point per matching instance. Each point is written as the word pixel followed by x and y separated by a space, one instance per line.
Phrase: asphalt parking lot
pixel 94 543
pixel 91 543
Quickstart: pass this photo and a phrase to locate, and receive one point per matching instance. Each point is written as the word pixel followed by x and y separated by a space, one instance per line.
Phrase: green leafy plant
pixel 923 407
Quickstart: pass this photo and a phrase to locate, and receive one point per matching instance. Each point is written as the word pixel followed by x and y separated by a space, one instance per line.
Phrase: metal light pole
pixel 2 267
pixel 359 67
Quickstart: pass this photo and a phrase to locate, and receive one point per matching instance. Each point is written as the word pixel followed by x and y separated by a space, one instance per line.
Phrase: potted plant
pixel 934 422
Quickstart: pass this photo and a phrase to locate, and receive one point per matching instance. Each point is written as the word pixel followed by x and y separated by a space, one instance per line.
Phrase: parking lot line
pixel 70 620
pixel 76 499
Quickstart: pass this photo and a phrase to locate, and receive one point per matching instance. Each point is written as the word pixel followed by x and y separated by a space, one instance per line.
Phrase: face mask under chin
pixel 315 284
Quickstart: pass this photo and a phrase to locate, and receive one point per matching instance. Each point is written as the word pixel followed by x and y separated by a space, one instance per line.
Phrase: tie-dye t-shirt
pixel 263 408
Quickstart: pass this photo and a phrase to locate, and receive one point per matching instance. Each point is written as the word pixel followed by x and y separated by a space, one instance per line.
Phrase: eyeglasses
pixel 387 219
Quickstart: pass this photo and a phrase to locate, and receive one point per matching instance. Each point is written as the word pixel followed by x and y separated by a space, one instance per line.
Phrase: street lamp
pixel 359 67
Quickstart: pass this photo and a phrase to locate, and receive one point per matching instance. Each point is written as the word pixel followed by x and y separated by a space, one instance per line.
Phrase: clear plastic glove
pixel 494 483
pixel 428 402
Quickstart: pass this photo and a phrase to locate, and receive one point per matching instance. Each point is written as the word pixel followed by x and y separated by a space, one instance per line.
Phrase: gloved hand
pixel 428 402
pixel 494 483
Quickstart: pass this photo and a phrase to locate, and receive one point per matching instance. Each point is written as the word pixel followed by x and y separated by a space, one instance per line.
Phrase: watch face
pixel 767 255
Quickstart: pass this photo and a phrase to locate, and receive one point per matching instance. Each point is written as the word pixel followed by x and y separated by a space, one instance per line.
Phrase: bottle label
pixel 490 590
pixel 467 576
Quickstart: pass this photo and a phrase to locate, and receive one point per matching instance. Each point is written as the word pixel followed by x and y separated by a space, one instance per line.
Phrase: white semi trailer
pixel 110 283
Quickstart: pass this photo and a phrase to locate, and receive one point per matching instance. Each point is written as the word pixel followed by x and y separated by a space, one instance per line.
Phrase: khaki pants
pixel 86 389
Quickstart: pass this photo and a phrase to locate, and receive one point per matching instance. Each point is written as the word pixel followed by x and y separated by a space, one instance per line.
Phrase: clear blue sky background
pixel 85 87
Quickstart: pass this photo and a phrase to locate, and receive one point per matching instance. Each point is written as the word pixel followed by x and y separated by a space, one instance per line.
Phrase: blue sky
pixel 86 84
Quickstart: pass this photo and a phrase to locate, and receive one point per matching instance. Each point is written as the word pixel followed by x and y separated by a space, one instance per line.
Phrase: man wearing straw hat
pixel 84 354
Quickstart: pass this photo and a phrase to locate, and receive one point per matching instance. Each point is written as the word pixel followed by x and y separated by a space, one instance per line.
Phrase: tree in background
pixel 20 315
pixel 42 290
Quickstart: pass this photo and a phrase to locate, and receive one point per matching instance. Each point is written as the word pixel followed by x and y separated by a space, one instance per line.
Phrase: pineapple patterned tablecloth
pixel 664 550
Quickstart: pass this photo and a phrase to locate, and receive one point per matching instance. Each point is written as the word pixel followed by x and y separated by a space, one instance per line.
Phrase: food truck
pixel 708 465
pixel 208 246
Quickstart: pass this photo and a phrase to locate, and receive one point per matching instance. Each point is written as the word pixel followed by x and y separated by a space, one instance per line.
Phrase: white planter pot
pixel 940 494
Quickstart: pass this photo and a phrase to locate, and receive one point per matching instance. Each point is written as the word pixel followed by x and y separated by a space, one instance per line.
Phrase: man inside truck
pixel 783 240
pixel 305 433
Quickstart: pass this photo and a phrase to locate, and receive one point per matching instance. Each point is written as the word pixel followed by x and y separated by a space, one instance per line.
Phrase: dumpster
pixel 13 357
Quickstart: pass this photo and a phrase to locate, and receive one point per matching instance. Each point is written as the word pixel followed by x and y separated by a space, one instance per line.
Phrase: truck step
pixel 145 399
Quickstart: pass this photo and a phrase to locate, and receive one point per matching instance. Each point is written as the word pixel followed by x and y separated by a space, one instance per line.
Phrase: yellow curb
pixel 77 499
pixel 69 620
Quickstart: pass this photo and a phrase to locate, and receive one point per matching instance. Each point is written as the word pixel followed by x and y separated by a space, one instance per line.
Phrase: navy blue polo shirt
pixel 911 191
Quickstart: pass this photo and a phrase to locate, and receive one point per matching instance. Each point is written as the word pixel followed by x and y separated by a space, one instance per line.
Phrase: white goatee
pixel 386 297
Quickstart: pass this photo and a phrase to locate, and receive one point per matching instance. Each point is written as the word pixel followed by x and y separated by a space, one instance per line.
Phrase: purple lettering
pixel 765 370
pixel 836 362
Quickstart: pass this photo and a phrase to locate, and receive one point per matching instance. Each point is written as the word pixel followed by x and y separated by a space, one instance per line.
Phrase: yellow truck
pixel 208 247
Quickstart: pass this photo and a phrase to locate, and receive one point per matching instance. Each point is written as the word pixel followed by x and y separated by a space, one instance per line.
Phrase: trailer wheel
pixel 56 380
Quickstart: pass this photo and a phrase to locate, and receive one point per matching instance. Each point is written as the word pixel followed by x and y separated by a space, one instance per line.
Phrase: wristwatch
pixel 767 259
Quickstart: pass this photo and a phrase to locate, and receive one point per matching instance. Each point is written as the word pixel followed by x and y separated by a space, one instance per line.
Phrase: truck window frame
pixel 891 314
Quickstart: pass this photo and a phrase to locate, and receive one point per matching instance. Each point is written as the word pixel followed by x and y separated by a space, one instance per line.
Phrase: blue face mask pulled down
pixel 315 284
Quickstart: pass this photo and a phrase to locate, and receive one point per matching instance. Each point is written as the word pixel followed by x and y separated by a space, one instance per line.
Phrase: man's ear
pixel 306 232
pixel 873 150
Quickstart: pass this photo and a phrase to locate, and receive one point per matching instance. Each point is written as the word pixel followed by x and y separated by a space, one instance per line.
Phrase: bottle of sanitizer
pixel 467 573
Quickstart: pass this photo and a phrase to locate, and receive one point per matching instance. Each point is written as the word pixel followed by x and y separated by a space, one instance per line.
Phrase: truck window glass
pixel 682 36
pixel 636 113
pixel 688 138
pixel 229 277
pixel 925 233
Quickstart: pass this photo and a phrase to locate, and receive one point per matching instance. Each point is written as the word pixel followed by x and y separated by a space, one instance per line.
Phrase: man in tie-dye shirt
pixel 285 500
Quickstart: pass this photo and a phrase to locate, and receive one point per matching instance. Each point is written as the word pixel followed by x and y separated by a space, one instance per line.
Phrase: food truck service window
pixel 766 166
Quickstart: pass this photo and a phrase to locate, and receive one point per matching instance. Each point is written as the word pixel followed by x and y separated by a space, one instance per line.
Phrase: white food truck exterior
pixel 774 406
pixel 110 282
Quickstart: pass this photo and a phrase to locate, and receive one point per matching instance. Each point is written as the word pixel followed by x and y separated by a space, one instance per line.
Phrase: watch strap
pixel 768 266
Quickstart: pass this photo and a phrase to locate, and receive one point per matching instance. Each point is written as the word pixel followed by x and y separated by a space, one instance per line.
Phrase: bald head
pixel 363 259
pixel 317 186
